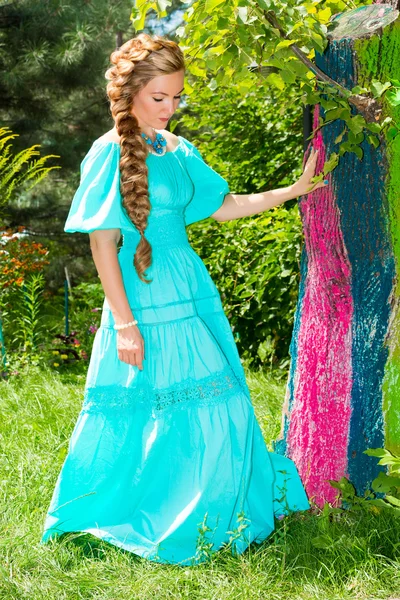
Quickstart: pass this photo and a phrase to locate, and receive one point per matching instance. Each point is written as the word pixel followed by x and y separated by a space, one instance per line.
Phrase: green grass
pixel 359 557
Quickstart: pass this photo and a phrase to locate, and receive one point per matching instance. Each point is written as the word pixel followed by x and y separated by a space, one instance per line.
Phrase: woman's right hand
pixel 130 346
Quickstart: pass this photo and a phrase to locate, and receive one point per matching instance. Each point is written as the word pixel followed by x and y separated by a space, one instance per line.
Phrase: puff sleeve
pixel 209 187
pixel 97 203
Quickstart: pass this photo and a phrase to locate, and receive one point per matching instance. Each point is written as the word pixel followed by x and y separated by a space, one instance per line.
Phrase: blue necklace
pixel 158 145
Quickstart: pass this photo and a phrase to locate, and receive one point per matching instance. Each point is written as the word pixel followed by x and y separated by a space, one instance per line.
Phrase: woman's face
pixel 155 104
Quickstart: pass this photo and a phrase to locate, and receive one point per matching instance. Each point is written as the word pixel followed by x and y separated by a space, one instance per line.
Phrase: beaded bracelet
pixel 125 325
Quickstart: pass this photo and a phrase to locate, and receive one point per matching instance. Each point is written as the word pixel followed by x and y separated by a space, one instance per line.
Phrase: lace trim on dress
pixel 208 391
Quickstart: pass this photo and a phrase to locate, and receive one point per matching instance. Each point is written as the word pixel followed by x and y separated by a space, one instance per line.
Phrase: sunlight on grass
pixel 38 414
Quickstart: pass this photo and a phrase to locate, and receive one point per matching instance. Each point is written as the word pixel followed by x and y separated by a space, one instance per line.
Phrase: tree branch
pixel 366 105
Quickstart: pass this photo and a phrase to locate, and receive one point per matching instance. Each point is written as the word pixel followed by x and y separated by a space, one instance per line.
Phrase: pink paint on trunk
pixel 320 415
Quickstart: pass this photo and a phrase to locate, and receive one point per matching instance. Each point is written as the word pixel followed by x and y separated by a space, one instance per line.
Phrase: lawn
pixel 310 556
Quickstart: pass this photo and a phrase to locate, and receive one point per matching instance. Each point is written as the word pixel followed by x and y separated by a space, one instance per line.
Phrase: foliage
pixel 86 301
pixel 384 494
pixel 32 338
pixel 21 283
pixel 61 352
pixel 255 141
pixel 53 58
pixel 65 351
pixel 239 42
pixel 39 411
pixel 87 295
pixel 52 62
pixel 55 351
pixel 25 325
pixel 19 169
pixel 20 256
pixel 387 483
pixel 30 324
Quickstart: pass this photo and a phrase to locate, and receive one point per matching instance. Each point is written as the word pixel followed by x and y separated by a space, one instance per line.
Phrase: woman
pixel 167 441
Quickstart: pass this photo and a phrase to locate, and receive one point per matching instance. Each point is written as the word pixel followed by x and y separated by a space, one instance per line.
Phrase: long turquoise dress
pixel 169 462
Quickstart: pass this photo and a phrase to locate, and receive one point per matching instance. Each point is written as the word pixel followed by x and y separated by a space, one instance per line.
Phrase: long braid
pixel 135 63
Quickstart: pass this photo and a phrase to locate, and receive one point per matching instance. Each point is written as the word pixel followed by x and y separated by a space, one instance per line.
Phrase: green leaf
pixel 393 97
pixel 286 273
pixel 328 103
pixel 340 136
pixel 319 42
pixel 377 452
pixel 393 500
pixel 384 483
pixel 285 44
pixel 196 70
pixel 242 13
pixel 373 140
pixel 375 128
pixel 162 7
pixel 386 121
pixel 288 76
pixel 276 80
pixel 331 163
pixel 332 115
pixel 299 68
pixel 359 90
pixel 312 98
pixel 344 485
pixel 356 138
pixel 325 14
pixel 378 88
pixel 172 125
pixel 356 124
pixel 211 4
pixel 322 541
pixel 357 151
pixel 215 50
pixel 392 132
pixel 264 4
pixel 379 503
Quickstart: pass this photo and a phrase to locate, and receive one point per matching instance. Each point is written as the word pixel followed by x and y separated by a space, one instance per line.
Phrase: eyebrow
pixel 164 94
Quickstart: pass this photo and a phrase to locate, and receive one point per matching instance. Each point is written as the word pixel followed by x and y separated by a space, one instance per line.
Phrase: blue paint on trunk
pixel 359 191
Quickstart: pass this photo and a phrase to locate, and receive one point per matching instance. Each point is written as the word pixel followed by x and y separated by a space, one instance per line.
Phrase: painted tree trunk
pixel 343 392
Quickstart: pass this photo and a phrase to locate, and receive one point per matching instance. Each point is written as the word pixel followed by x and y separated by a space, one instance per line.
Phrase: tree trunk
pixel 343 392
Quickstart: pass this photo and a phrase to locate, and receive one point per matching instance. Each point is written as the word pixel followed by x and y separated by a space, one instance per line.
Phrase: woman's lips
pixel 163 119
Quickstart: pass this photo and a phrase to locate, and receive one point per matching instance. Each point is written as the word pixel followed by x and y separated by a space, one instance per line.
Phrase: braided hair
pixel 135 64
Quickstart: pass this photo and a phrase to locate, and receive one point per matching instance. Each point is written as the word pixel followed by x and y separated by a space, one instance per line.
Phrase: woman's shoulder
pixel 109 136
pixel 103 155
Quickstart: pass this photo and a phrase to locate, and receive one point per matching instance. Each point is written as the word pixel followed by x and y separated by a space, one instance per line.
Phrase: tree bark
pixel 343 392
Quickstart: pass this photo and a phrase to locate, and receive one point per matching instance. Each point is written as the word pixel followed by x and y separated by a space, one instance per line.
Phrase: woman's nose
pixel 170 107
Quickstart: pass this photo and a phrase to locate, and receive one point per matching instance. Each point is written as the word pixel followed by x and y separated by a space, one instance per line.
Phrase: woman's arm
pixel 236 206
pixel 103 244
pixel 130 344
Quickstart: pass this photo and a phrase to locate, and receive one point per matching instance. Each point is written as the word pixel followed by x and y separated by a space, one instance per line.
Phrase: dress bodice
pixel 182 188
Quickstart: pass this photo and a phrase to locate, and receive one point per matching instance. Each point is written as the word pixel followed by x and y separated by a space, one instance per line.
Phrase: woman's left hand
pixel 304 185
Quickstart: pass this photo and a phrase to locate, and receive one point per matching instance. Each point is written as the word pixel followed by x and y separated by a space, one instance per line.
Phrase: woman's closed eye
pixel 161 99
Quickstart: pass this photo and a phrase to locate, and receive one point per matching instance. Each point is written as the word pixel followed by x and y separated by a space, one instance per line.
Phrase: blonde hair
pixel 136 63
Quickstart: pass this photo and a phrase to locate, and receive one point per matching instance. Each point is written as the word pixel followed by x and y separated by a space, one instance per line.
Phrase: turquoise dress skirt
pixel 168 463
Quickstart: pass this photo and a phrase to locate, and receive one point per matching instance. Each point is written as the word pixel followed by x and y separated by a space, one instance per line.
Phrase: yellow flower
pixel 56 364
pixel 64 355
pixel 56 352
